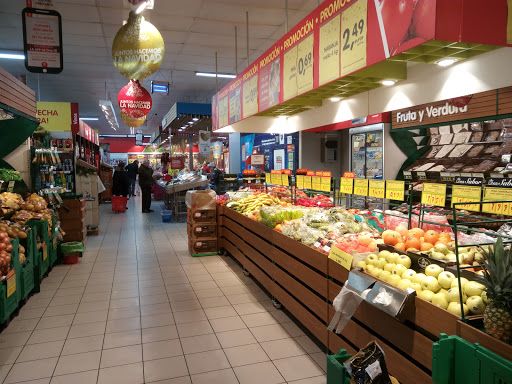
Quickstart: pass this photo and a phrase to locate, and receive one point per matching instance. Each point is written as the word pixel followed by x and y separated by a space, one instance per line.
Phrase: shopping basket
pixel 119 203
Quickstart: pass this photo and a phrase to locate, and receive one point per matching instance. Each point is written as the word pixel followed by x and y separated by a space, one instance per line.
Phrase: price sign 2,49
pixel 356 36
pixel 353 25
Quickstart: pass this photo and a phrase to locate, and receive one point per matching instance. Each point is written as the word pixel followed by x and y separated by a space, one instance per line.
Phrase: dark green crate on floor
pixel 10 288
pixel 41 259
pixel 27 269
pixel 336 371
pixel 457 361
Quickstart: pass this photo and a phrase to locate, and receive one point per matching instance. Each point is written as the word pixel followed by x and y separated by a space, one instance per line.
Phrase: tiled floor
pixel 137 308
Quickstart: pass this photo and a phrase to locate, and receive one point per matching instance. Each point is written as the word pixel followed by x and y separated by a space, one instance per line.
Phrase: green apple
pixel 453 295
pixel 416 287
pixel 361 264
pixel 384 254
pixel 438 255
pixel 430 283
pixel 418 277
pixel 484 297
pixel 375 272
pixel 404 260
pixel 408 274
pixel 426 295
pixel 472 288
pixel 476 305
pixel 454 308
pixel 392 257
pixel 389 267
pixel 371 259
pixel 368 268
pixel 384 275
pixel 445 279
pixel 451 257
pixel 398 269
pixel 441 248
pixel 433 270
pixel 404 284
pixel 443 291
pixel 394 280
pixel 381 262
pixel 439 299
pixel 463 281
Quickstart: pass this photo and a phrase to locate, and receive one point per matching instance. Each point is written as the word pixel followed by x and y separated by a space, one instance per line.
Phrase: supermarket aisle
pixel 139 309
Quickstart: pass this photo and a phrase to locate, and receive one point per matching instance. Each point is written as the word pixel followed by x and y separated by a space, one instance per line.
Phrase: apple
pixel 404 284
pixel 451 257
pixel 472 288
pixel 408 274
pixel 441 248
pixel 389 267
pixel 384 275
pixel 476 305
pixel 426 295
pixel 381 262
pixel 430 283
pixel 416 287
pixel 393 257
pixel 463 281
pixel 439 299
pixel 454 296
pixel 361 264
pixel 433 270
pixel 404 260
pixel 443 291
pixel 418 277
pixel 398 269
pixel 371 259
pixel 445 279
pixel 394 280
pixel 375 271
pixel 484 297
pixel 384 254
pixel 454 308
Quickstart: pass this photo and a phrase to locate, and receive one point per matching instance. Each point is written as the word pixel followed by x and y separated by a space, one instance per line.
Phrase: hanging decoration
pixel 138 48
pixel 132 121
pixel 134 100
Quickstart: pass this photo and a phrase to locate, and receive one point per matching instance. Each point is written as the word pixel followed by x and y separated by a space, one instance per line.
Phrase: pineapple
pixel 498 284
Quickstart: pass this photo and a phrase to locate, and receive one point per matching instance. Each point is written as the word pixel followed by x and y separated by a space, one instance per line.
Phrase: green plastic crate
pixel 10 304
pixel 27 269
pixel 336 371
pixel 457 361
pixel 41 259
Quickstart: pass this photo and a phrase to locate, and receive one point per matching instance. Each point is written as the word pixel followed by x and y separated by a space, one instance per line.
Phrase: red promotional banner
pixel 341 37
pixel 177 162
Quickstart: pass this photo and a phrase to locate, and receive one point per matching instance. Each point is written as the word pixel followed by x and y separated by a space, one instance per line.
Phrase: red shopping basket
pixel 119 203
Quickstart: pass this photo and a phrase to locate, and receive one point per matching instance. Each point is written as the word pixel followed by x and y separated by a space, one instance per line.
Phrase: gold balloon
pixel 138 48
pixel 132 121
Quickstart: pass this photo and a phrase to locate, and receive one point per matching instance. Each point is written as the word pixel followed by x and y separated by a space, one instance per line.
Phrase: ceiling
pixel 193 30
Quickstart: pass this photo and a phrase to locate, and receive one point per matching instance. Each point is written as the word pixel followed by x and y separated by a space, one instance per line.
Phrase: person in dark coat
pixel 120 181
pixel 215 177
pixel 132 170
pixel 146 182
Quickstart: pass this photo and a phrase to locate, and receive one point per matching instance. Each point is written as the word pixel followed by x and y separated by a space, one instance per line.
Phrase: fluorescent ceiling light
pixel 12 56
pixel 446 62
pixel 335 99
pixel 88 118
pixel 388 82
pixel 209 74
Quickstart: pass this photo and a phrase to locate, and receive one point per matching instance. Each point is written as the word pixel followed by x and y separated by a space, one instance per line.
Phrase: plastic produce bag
pixel 368 366
pixel 203 199
pixel 345 305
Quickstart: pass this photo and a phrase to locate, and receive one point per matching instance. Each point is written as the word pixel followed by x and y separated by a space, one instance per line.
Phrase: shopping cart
pixel 119 203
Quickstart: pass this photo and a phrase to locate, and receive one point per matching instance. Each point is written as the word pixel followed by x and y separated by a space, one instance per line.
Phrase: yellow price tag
pixel 353 37
pixel 45 251
pixel 341 257
pixel 316 179
pixel 497 194
pixel 299 181
pixel 284 180
pixel 307 182
pixel 268 178
pixel 316 186
pixel 361 187
pixel 11 282
pixel 329 58
pixel 305 58
pixel 347 185
pixel 434 194
pixel 466 194
pixel 376 188
pixel 395 190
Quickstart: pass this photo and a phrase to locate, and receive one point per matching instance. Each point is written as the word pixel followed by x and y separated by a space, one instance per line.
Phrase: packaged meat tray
pixel 446 139
pixel 460 150
pixel 461 137
pixel 504 149
pixel 491 136
pixel 485 166
pixel 475 151
pixel 445 150
pixel 477 137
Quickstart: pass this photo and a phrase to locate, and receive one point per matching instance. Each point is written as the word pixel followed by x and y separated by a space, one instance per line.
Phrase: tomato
pixel 9 248
pixel 423 24
pixel 396 17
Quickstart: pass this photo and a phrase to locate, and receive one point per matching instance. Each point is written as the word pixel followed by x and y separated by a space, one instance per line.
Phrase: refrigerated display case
pixel 367 151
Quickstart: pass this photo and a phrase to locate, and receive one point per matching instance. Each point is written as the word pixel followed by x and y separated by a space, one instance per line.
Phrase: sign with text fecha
pixel 54 116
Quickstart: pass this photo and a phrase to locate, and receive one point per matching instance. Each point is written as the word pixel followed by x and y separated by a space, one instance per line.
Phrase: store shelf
pixel 81 163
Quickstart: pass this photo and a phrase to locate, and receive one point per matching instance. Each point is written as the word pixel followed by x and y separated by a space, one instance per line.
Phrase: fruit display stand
pixel 10 287
pixel 27 268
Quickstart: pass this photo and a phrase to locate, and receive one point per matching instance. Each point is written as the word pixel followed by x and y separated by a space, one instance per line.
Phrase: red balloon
pixel 134 100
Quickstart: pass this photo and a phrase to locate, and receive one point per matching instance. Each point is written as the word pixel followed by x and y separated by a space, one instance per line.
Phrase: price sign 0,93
pixel 353 37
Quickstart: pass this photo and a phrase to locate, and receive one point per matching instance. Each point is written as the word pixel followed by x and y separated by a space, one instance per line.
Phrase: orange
pixel 445 237
pixel 416 232
pixel 278 228
pixel 400 246
pixel 431 236
pixel 391 237
pixel 412 242
pixel 426 246
pixel 365 240
pixel 401 230
pixel 412 250
pixel 372 246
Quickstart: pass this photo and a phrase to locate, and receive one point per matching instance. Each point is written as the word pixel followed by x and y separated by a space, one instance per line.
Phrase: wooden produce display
pixel 306 282
pixel 202 223
pixel 72 219
pixel 106 179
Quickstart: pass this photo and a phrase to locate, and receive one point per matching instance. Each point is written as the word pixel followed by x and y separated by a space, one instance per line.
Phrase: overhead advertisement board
pixel 55 116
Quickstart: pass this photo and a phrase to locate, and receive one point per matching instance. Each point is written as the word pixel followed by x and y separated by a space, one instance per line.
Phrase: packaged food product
pixel 445 150
pixel 461 137
pixel 491 125
pixel 438 168
pixel 433 152
pixel 460 150
pixel 491 136
pixel 478 126
pixel 455 167
pixel 504 149
pixel 477 137
pixel 505 134
pixel 456 128
pixel 489 149
pixel 485 166
pixel 368 366
pixel 446 139
pixel 475 151
pixel 445 129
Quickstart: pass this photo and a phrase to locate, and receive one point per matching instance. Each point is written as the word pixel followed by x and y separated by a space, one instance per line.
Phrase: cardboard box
pixel 200 216
pixel 202 199
pixel 198 246
pixel 199 231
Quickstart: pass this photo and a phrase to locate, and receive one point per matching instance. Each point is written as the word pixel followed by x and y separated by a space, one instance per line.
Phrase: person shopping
pixel 120 181
pixel 132 170
pixel 146 183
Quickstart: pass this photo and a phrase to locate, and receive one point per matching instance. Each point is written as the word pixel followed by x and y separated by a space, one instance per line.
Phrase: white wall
pixel 20 160
pixel 425 83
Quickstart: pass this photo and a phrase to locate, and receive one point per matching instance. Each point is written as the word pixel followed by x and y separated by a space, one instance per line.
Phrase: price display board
pixel 290 73
pixel 326 183
pixel 305 64
pixel 250 99
pixel 353 37
pixel 497 194
pixel 268 178
pixel 347 185
pixel 223 112
pixel 299 181
pixel 376 188
pixel 329 51
pixel 285 180
pixel 434 194
pixel 465 194
pixel 361 187
pixel 395 190
pixel 341 257
pixel 316 183
pixel 307 182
